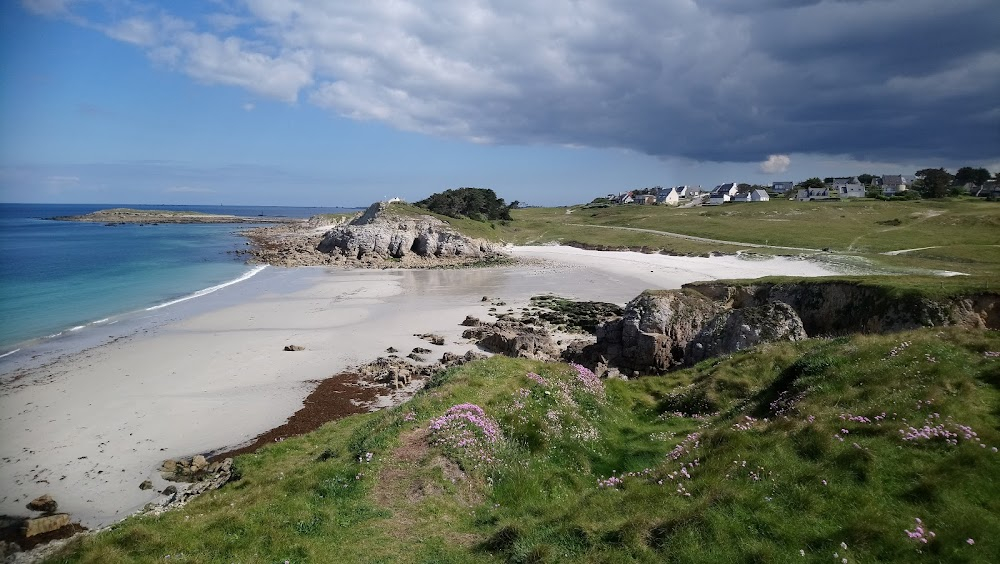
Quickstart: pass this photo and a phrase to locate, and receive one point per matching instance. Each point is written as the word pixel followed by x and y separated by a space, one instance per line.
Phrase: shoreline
pixel 215 376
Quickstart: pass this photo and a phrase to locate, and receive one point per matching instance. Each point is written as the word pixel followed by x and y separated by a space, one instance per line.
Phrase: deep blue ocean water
pixel 58 277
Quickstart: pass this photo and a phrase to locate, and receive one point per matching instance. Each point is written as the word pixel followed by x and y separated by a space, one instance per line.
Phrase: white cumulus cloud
pixel 775 164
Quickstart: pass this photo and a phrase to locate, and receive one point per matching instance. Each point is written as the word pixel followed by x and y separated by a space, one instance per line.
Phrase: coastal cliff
pixel 662 330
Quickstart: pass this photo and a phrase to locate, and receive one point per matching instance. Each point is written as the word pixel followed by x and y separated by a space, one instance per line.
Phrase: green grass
pixel 866 226
pixel 757 490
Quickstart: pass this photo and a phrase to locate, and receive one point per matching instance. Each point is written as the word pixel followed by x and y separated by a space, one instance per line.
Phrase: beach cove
pixel 89 427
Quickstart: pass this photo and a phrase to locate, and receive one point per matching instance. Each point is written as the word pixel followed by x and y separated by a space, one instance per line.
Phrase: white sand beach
pixel 87 428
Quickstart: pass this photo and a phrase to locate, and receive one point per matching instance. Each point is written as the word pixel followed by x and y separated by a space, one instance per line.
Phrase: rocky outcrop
pixel 194 469
pixel 662 330
pixel 514 339
pixel 843 307
pixel 655 329
pixel 741 329
pixel 380 234
pixel 211 476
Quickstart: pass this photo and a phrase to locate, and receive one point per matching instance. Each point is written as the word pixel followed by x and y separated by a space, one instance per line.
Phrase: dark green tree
pixel 977 176
pixel 866 179
pixel 934 182
pixel 475 203
pixel 813 182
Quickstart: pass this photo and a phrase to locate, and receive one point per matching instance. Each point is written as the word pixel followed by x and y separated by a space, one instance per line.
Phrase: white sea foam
pixel 77 328
pixel 10 353
pixel 209 290
pixel 105 320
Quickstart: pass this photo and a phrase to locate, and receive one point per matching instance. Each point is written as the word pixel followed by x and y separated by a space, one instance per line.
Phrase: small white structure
pixel 759 196
pixel 849 187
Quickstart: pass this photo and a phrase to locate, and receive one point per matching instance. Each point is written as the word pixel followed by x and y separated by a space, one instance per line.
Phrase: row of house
pixel 664 196
pixel 840 188
pixel 730 192
pixel 847 187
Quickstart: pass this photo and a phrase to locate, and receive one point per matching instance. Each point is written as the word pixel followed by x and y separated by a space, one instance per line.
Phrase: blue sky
pixel 311 103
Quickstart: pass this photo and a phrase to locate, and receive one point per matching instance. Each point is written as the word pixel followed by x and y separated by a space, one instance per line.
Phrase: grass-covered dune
pixel 866 448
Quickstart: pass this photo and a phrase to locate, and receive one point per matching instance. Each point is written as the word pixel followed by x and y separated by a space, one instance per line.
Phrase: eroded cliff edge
pixel 661 330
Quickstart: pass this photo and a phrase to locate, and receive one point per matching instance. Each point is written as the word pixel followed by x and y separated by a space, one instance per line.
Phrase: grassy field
pixel 964 233
pixel 815 451
pixel 958 235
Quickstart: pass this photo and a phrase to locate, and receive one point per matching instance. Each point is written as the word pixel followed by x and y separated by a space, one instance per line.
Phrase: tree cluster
pixel 474 203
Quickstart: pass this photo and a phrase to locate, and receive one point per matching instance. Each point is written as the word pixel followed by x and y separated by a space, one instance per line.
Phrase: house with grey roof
pixel 894 184
pixel 849 187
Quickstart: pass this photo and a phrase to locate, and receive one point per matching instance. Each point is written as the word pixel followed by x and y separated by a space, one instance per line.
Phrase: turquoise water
pixel 59 277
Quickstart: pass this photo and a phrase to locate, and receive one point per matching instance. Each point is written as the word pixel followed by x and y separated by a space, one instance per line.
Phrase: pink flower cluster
pixel 588 380
pixel 745 425
pixel 612 482
pixel 537 379
pixel 948 431
pixel 690 442
pixel 467 416
pixel 919 533
pixel 899 348
pixel 466 431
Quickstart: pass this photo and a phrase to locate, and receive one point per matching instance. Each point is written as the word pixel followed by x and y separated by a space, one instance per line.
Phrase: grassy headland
pixel 789 449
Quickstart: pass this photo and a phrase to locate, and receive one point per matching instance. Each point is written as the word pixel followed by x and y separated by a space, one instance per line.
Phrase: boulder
pixel 43 503
pixel 471 321
pixel 45 524
pixel 655 329
pixel 294 348
pixel 740 329
pixel 514 339
pixel 449 359
pixel 146 485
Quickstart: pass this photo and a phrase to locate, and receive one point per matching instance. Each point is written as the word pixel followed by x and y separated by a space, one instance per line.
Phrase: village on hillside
pixel 926 183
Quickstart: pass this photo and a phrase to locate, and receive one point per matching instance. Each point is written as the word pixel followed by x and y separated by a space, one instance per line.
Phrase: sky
pixel 317 103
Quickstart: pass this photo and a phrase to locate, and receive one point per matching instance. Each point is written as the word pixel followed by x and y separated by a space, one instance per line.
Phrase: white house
pixel 759 196
pixel 893 184
pixel 849 187
pixel 669 197
pixel 626 198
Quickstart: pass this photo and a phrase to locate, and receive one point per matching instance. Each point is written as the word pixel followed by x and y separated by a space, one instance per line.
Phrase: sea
pixel 60 280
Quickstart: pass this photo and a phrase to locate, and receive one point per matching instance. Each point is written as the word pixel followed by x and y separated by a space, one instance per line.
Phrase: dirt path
pixel 700 239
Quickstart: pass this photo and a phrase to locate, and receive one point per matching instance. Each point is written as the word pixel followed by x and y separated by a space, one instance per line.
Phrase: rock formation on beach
pixel 380 234
pixel 379 237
